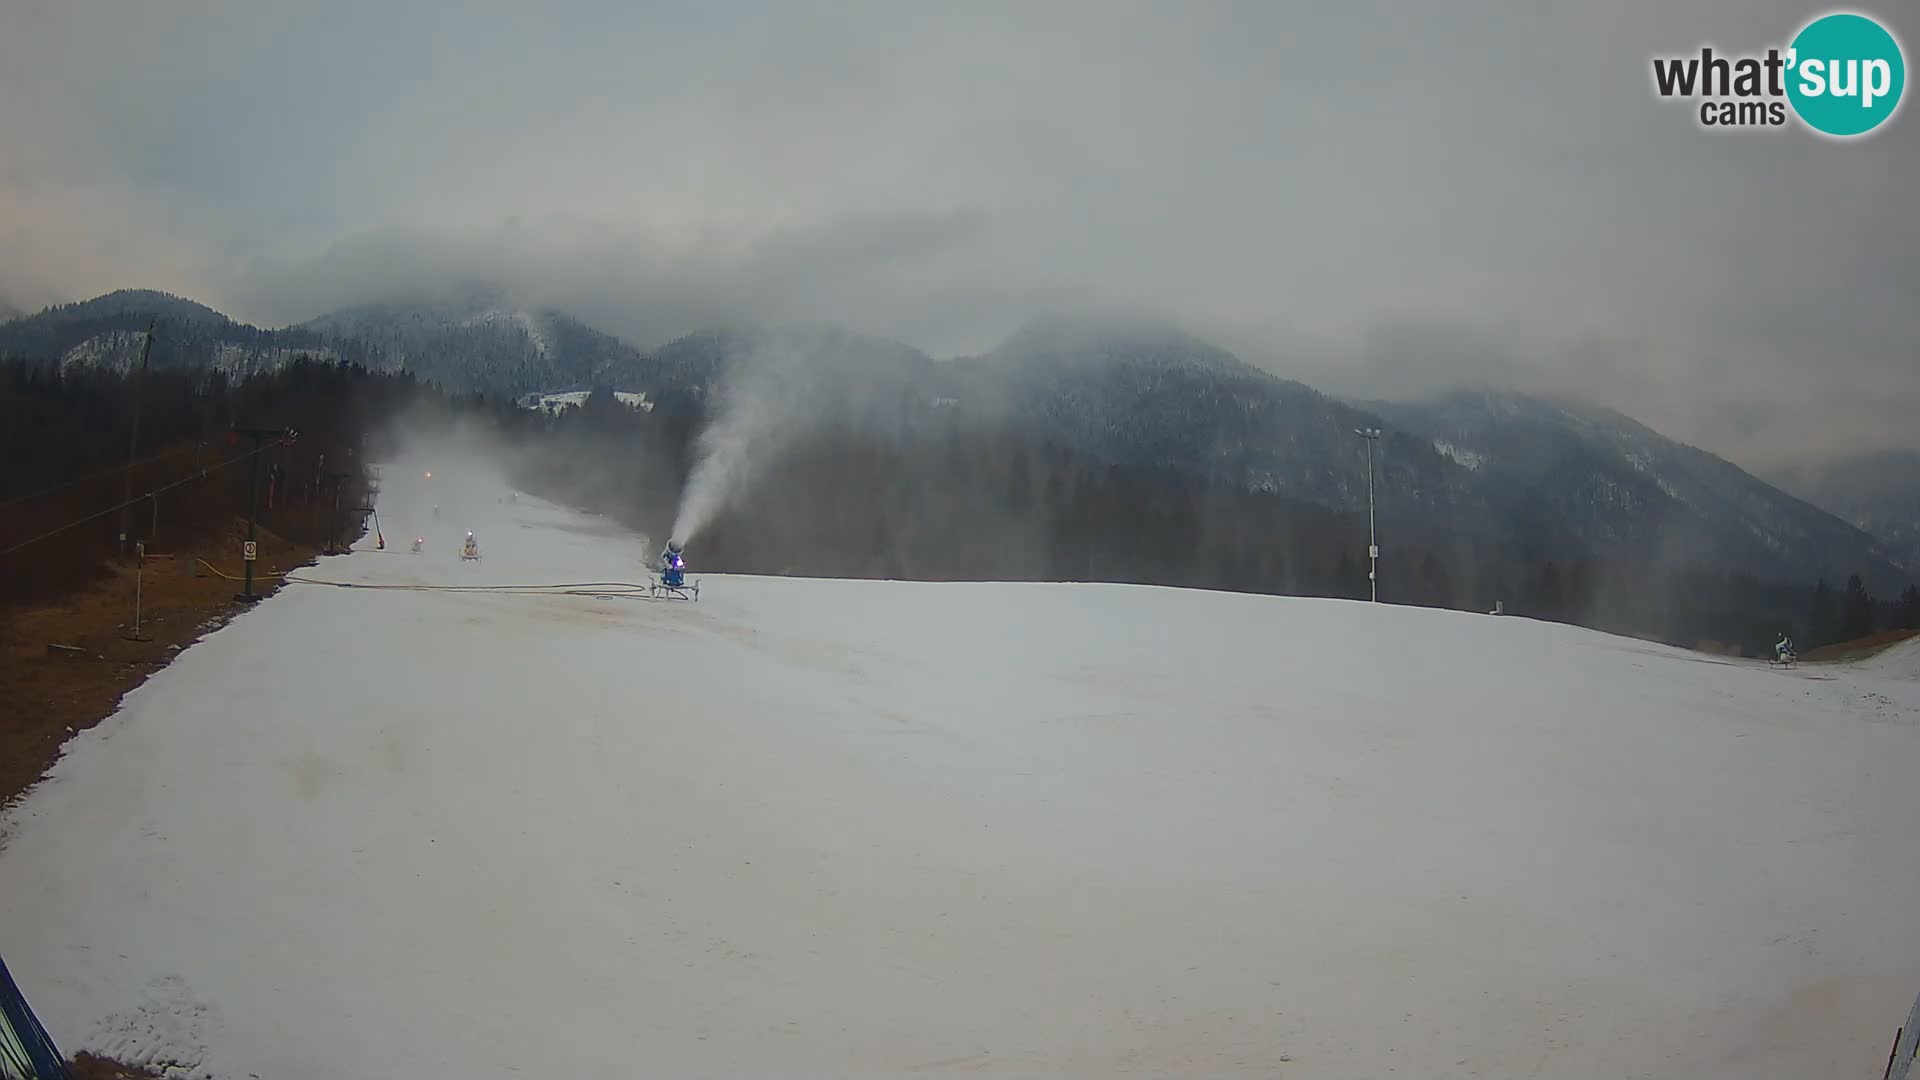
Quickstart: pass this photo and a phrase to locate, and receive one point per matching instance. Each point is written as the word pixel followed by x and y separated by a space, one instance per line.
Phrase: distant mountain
pixel 467 344
pixel 1879 493
pixel 1142 394
pixel 827 373
pixel 1556 478
pixel 1155 396
pixel 1579 477
pixel 109 332
pixel 471 342
pixel 136 303
pixel 475 346
pixel 1531 474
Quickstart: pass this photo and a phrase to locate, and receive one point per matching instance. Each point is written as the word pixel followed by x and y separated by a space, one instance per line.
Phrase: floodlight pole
pixel 1372 435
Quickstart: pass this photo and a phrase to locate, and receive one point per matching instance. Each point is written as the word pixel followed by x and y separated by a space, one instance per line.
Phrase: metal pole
pixel 333 523
pixel 259 437
pixel 253 474
pixel 313 507
pixel 1373 543
pixel 133 632
pixel 1372 435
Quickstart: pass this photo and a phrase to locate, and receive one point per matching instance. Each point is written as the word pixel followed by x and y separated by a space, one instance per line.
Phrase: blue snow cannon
pixel 672 582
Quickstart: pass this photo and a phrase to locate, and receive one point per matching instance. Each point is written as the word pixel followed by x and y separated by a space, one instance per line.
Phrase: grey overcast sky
pixel 1375 198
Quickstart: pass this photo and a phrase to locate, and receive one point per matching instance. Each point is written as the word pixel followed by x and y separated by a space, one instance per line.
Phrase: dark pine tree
pixel 1436 589
pixel 1856 610
pixel 1019 484
pixel 1550 598
pixel 1823 621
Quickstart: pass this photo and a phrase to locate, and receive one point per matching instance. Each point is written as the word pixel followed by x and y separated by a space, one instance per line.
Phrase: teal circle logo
pixel 1846 74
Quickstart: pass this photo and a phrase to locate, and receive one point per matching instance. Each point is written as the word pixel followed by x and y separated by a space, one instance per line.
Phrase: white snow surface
pixel 240 360
pixel 556 403
pixel 534 325
pixel 119 350
pixel 831 828
pixel 1645 466
pixel 113 351
pixel 1471 459
pixel 1900 661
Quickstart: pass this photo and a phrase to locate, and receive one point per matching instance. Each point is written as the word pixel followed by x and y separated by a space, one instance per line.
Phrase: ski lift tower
pixel 1372 435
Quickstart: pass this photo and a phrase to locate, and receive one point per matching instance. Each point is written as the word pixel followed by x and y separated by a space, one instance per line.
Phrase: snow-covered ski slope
pixel 831 828
pixel 1902 661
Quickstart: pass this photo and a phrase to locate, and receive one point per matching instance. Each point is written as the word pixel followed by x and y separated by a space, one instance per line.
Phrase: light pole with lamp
pixel 1372 435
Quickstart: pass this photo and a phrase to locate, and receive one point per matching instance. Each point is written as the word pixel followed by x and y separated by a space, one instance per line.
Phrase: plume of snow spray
pixel 756 414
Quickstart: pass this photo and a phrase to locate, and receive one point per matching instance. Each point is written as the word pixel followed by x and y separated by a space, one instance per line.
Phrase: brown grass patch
pixel 85 1066
pixel 1860 648
pixel 48 694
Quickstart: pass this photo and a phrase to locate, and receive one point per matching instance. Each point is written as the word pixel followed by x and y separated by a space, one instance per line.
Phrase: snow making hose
pixel 607 589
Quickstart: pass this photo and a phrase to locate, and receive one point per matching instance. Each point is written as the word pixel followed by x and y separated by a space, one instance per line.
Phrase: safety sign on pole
pixel 248 550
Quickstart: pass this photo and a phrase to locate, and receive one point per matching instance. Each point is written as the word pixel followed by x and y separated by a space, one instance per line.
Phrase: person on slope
pixel 1783 650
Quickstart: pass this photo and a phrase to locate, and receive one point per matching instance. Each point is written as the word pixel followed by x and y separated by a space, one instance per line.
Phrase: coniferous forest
pixel 979 503
pixel 68 494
